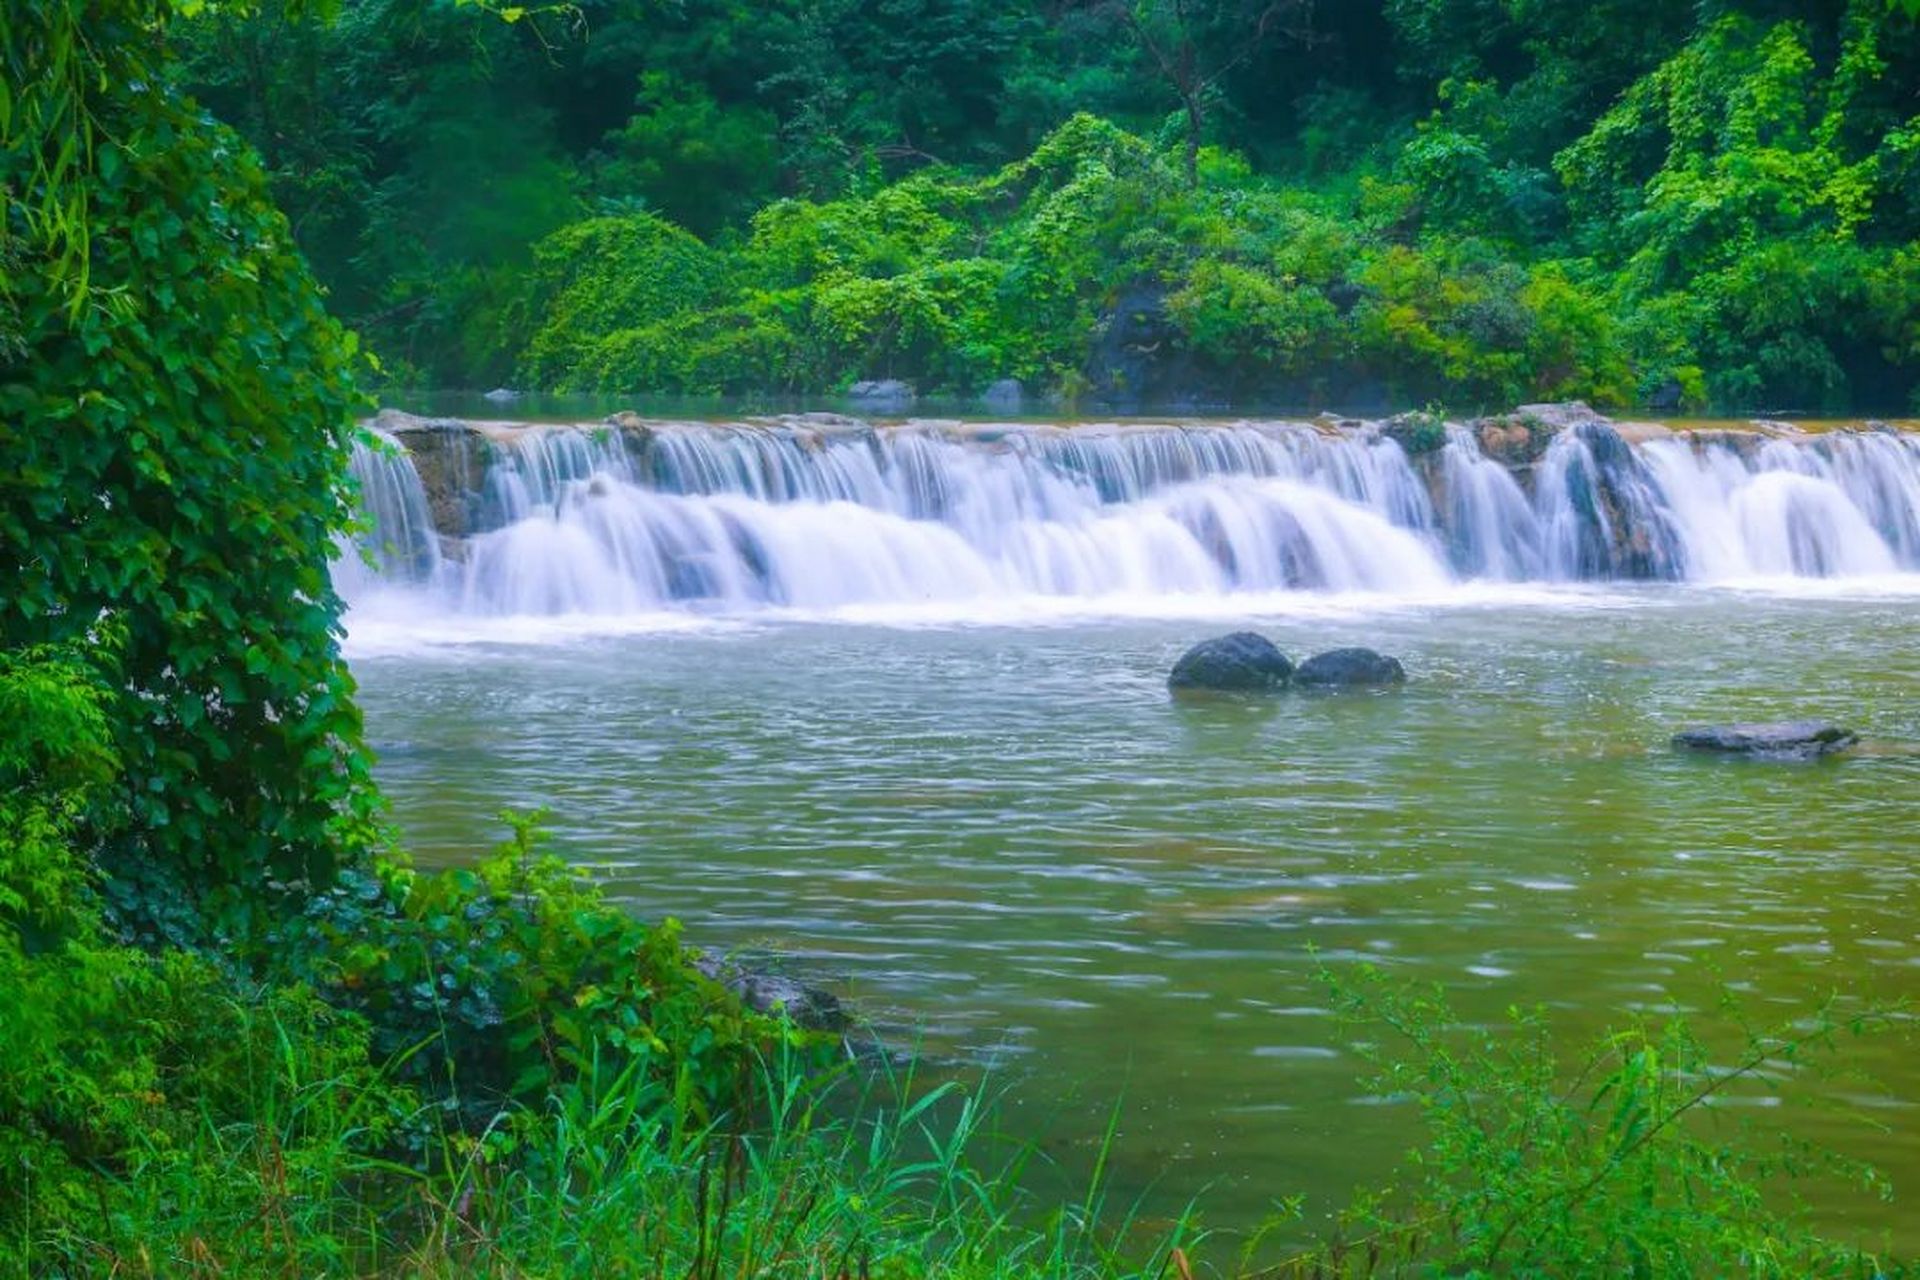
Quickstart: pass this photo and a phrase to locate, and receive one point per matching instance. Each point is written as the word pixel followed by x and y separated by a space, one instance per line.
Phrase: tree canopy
pixel 1386 200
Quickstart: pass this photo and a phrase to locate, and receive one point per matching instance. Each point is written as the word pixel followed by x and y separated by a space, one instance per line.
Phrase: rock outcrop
pixel 885 395
pixel 1004 396
pixel 450 456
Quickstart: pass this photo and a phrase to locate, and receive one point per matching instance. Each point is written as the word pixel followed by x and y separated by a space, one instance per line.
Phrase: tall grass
pixel 886 1182
pixel 849 1173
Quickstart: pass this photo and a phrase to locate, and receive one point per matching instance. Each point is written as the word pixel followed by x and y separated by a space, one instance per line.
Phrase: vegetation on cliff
pixel 1361 205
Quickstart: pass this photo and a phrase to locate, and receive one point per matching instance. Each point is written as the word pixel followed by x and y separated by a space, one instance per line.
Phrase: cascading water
pixel 396 544
pixel 1492 530
pixel 736 517
pixel 612 520
pixel 1841 505
pixel 1601 512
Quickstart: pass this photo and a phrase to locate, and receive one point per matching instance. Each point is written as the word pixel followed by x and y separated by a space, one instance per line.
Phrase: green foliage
pixel 511 979
pixel 54 757
pixel 111 1060
pixel 175 420
pixel 1614 1163
pixel 1232 313
pixel 1460 322
pixel 1756 163
pixel 701 164
pixel 600 277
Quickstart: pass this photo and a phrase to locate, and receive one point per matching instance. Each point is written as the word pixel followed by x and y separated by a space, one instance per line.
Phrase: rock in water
pixel 887 395
pixel 1242 662
pixel 1349 668
pixel 501 395
pixel 808 1007
pixel 1781 740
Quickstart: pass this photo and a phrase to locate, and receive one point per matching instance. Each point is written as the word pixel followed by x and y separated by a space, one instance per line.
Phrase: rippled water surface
pixel 1007 841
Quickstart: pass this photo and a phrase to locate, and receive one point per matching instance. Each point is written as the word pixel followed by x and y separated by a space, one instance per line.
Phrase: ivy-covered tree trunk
pixel 176 411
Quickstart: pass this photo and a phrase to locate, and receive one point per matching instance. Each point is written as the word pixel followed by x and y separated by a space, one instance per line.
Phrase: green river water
pixel 1005 843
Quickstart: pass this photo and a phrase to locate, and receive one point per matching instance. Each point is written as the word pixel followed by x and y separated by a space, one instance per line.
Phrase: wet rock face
pixel 450 456
pixel 1349 669
pixel 1644 545
pixel 1603 510
pixel 1244 662
pixel 1139 358
pixel 1780 740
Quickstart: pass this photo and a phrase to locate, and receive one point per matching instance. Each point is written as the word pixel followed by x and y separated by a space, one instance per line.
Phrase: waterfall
pixel 1838 505
pixel 1601 511
pixel 396 544
pixel 1493 531
pixel 823 514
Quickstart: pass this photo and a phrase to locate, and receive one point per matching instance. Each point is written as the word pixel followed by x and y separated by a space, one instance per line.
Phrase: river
pixel 979 815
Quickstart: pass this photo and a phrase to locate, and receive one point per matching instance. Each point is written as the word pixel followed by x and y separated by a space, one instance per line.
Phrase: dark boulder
pixel 1139 357
pixel 1781 740
pixel 1349 668
pixel 1244 662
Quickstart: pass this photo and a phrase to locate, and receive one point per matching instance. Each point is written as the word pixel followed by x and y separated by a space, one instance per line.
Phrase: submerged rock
pixel 1244 662
pixel 1779 740
pixel 806 1006
pixel 1349 668
pixel 502 395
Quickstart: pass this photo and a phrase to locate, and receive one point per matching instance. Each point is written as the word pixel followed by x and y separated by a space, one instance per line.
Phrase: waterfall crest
pixel 637 517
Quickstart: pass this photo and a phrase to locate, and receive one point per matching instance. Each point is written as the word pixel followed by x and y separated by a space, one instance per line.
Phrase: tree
pixel 176 410
pixel 1193 45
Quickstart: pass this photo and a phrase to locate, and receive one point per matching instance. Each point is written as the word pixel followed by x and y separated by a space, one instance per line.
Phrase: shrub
pixel 608 275
pixel 1233 314
pixel 511 979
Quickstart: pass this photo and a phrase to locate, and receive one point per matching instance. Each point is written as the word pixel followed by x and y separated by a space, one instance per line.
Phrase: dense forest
pixel 1358 204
